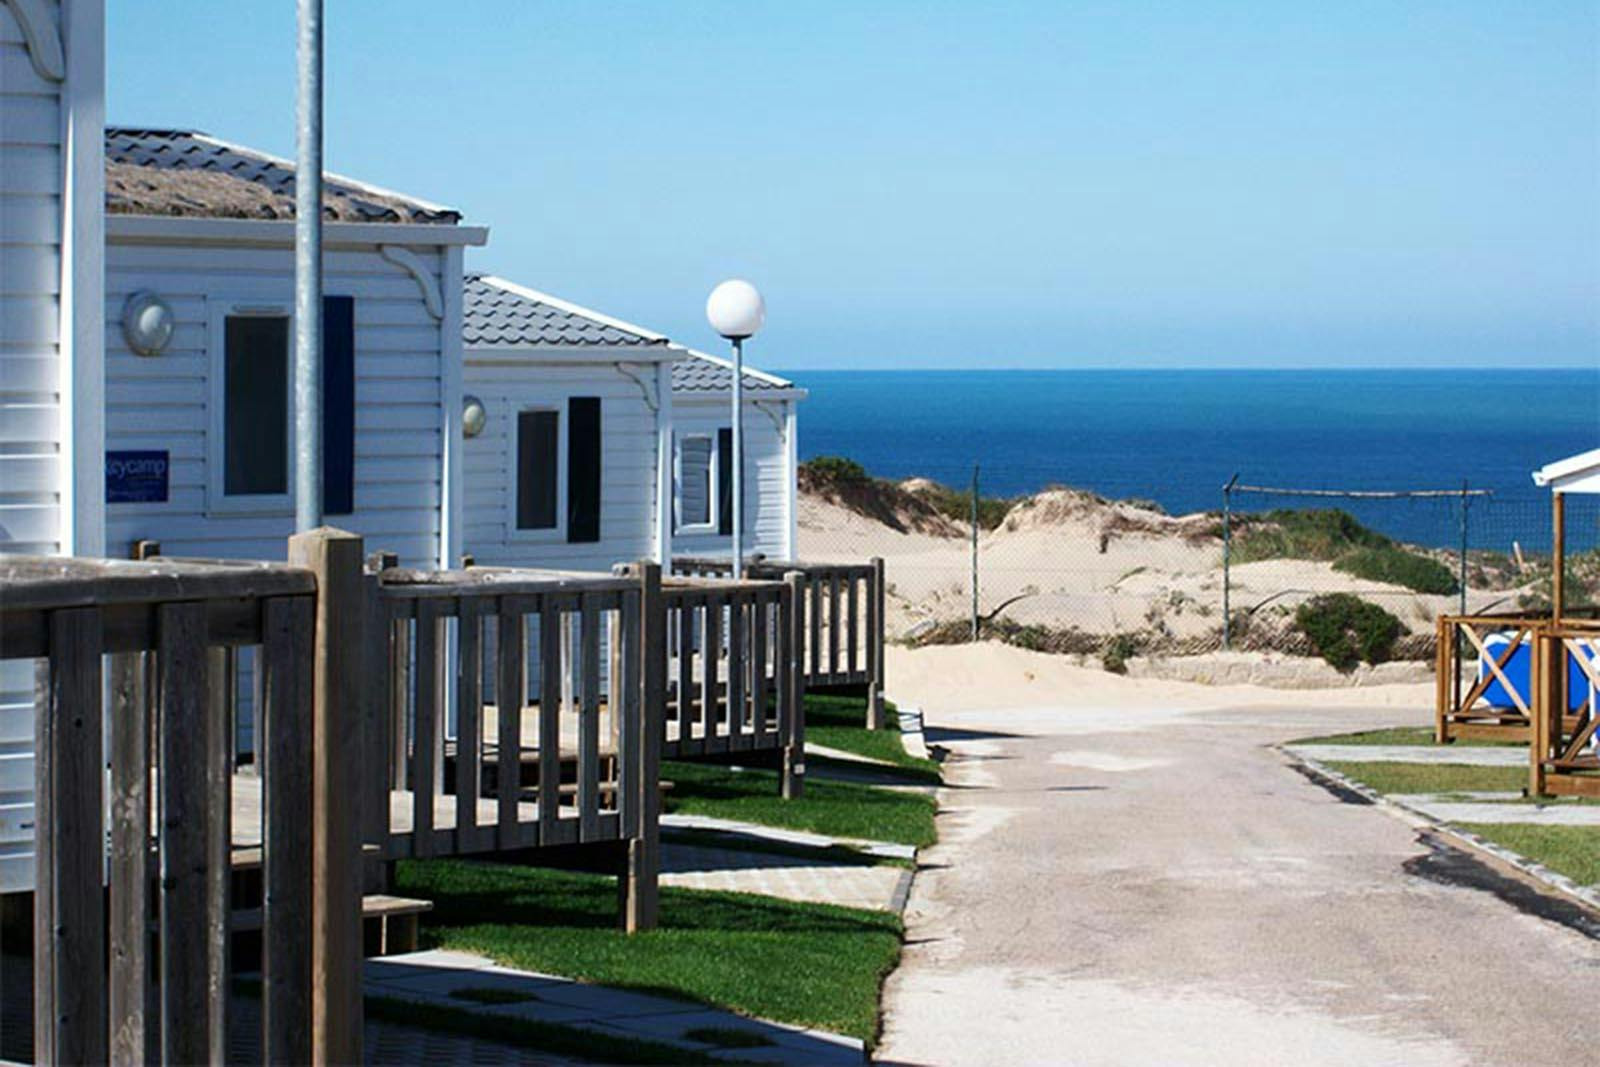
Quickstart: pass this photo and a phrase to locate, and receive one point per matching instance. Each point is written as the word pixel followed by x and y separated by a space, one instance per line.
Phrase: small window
pixel 255 406
pixel 696 471
pixel 538 458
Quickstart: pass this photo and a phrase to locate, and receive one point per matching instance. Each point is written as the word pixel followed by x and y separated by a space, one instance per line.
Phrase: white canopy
pixel 1575 474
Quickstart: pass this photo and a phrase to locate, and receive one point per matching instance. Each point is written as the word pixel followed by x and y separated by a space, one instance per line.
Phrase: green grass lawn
pixel 807 964
pixel 837 809
pixel 1572 850
pixel 1433 777
pixel 840 722
pixel 1400 735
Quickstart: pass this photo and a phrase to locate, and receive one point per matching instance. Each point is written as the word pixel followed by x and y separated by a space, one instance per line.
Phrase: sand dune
pixel 1066 558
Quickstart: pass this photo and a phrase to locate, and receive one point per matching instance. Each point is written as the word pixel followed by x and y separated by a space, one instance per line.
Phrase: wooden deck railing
pixel 729 659
pixel 841 643
pixel 514 709
pixel 1564 759
pixel 167 626
pixel 1460 710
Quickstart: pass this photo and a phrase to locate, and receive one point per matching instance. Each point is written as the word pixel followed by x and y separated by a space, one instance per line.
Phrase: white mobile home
pixel 702 392
pixel 52 110
pixel 198 431
pixel 602 442
pixel 572 412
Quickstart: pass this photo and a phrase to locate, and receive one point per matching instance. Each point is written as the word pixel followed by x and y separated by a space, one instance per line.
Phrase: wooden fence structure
pixel 730 661
pixel 376 738
pixel 1564 757
pixel 510 709
pixel 129 659
pixel 841 612
pixel 1460 710
pixel 1546 699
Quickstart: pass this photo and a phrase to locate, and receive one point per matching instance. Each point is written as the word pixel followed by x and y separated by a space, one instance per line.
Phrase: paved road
pixel 1141 887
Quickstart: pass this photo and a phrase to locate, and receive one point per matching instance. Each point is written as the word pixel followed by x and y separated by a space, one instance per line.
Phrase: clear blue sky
pixel 977 184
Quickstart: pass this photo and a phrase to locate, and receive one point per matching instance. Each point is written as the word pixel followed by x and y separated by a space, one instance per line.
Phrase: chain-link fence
pixel 1073 571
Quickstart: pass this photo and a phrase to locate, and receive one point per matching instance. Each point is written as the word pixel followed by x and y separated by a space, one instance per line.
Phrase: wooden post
pixel 589 720
pixel 131 1022
pixel 644 849
pixel 1444 662
pixel 335 558
pixel 1543 707
pixel 376 712
pixel 1558 556
pixel 794 742
pixel 187 921
pixel 876 601
pixel 69 1002
pixel 508 700
pixel 288 642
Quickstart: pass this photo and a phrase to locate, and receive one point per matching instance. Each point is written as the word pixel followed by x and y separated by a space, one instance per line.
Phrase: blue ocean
pixel 1175 436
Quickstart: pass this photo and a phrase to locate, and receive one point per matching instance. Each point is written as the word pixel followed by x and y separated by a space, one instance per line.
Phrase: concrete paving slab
pixel 1531 814
pixel 1464 755
pixel 788 877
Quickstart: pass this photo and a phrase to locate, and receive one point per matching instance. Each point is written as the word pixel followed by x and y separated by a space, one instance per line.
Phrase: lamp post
pixel 736 311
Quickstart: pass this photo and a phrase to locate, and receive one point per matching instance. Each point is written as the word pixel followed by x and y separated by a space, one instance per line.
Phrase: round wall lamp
pixel 147 323
pixel 474 416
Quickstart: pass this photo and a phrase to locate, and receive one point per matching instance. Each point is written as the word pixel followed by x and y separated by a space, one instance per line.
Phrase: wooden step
pixel 389 924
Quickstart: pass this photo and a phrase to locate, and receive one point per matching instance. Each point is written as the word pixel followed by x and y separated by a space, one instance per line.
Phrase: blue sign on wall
pixel 136 477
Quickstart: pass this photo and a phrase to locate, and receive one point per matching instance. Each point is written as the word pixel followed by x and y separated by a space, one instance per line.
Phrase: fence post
pixel 875 608
pixel 335 557
pixel 644 849
pixel 1444 661
pixel 975 552
pixel 69 951
pixel 1466 500
pixel 1227 560
pixel 794 745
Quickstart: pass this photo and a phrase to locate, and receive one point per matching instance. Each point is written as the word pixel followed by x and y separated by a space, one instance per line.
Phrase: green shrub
pixel 1397 566
pixel 1347 630
pixel 835 470
pixel 957 504
pixel 1118 651
pixel 1312 533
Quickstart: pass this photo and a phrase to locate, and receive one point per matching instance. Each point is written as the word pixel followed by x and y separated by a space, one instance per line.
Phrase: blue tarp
pixel 1517 670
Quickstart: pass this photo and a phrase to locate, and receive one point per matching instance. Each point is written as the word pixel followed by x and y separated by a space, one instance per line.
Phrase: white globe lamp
pixel 736 311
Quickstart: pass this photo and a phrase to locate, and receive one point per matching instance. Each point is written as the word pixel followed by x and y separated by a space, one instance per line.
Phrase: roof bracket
pixel 647 386
pixel 412 264
pixel 44 42
pixel 773 412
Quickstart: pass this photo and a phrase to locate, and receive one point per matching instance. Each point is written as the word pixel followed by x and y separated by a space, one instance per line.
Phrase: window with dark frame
pixel 538 456
pixel 255 406
pixel 695 453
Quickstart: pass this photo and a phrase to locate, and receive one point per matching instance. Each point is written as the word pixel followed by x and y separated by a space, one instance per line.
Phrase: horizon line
pixel 1190 368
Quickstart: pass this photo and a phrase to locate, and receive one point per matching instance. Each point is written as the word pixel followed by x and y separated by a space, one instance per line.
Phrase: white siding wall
pixel 31 370
pixel 766 474
pixel 162 402
pixel 628 464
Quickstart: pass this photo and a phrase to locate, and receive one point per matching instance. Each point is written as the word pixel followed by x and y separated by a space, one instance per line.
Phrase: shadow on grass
pixel 815 965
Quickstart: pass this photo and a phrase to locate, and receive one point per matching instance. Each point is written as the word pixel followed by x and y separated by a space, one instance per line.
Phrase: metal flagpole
pixel 308 272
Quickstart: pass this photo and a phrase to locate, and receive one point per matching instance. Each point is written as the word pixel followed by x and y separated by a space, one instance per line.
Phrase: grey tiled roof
pixel 701 374
pixel 184 172
pixel 494 315
pixel 499 314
